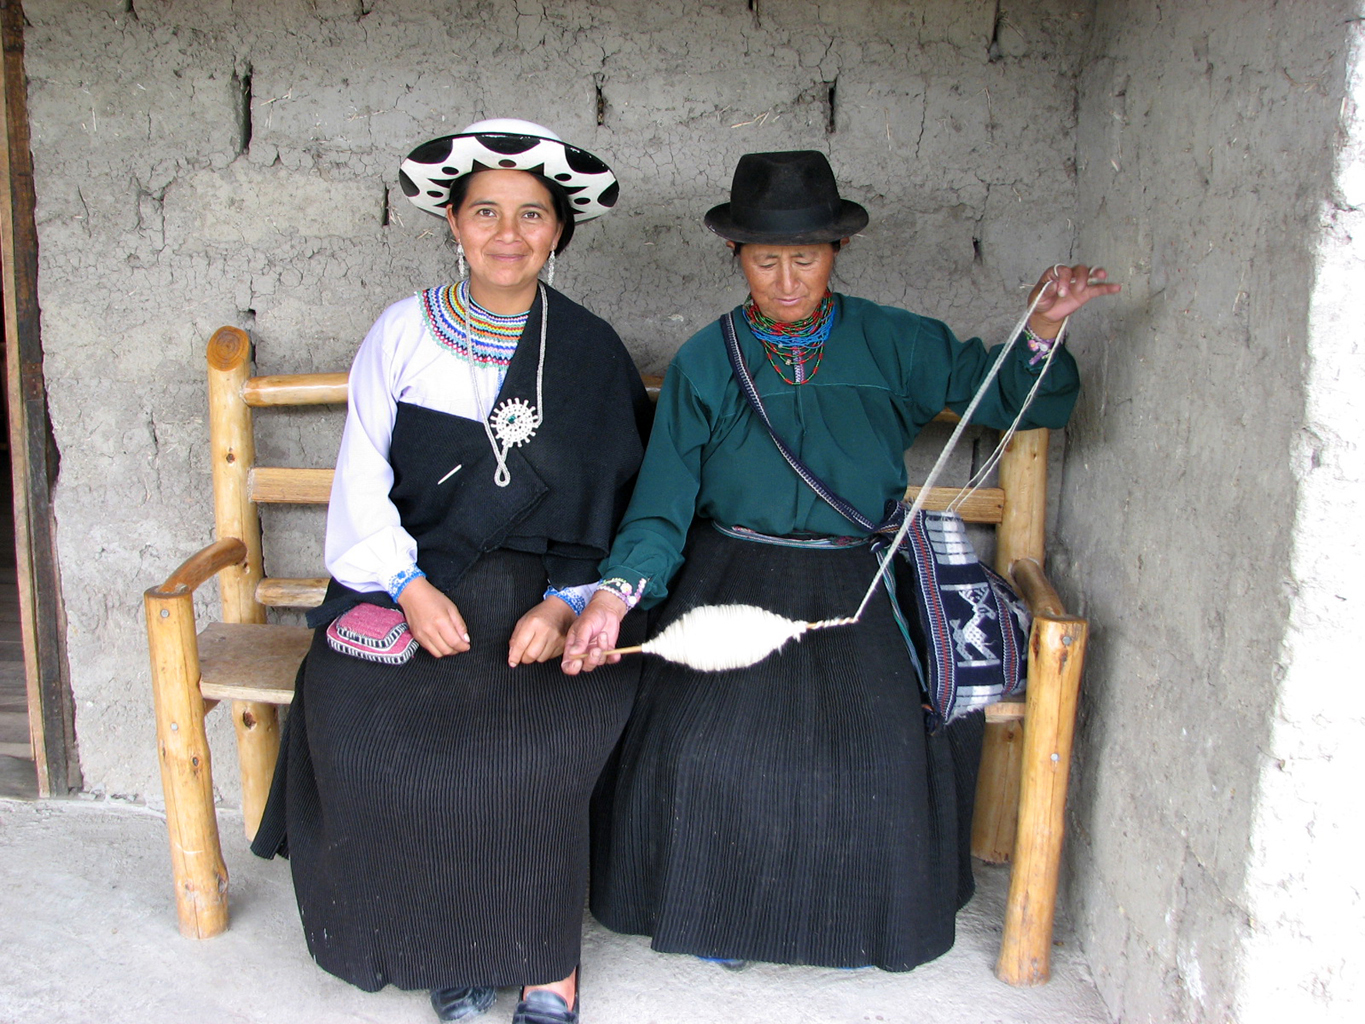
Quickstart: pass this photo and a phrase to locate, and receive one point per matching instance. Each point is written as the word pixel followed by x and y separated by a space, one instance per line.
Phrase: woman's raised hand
pixel 595 631
pixel 539 634
pixel 1065 290
pixel 433 619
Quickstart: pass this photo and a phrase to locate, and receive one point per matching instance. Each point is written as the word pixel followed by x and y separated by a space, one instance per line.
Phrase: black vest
pixel 570 483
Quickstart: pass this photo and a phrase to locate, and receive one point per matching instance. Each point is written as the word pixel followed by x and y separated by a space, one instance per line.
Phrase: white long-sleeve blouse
pixel 400 360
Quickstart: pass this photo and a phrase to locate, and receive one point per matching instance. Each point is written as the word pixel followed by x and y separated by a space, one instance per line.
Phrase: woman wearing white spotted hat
pixel 433 784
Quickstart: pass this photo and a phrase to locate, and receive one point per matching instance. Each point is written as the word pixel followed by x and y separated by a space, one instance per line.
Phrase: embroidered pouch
pixel 373 633
pixel 975 627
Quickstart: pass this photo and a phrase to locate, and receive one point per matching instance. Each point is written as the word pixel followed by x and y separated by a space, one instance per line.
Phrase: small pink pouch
pixel 373 633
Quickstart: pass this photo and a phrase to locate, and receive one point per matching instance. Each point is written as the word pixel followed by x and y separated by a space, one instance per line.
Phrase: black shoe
pixel 542 1006
pixel 462 1003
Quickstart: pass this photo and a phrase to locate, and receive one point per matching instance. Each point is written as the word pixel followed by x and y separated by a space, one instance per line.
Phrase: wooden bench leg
pixel 258 748
pixel 996 818
pixel 1056 655
pixel 201 879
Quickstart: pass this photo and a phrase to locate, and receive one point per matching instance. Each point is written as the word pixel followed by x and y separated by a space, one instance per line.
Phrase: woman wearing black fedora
pixel 797 811
pixel 434 780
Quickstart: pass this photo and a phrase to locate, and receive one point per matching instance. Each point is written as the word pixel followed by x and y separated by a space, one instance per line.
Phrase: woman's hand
pixel 1065 290
pixel 433 619
pixel 595 631
pixel 539 634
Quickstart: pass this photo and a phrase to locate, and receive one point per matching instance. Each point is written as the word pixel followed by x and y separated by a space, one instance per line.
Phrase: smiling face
pixel 507 225
pixel 787 281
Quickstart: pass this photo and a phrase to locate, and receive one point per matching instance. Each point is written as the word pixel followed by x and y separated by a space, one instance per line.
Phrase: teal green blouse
pixel 885 373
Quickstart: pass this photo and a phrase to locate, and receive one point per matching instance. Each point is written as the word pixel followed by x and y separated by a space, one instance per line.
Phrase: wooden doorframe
pixel 33 451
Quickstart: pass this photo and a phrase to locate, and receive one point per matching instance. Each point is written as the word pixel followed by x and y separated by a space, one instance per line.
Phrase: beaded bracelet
pixel 1039 346
pixel 622 589
pixel 575 597
pixel 399 581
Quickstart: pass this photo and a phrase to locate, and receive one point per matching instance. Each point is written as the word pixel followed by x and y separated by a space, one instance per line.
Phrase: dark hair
pixel 837 243
pixel 559 199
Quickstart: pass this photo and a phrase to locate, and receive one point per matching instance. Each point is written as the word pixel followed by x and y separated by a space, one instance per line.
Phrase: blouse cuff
pixel 575 597
pixel 400 580
pixel 623 589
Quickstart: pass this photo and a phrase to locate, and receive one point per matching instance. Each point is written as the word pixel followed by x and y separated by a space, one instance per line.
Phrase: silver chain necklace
pixel 514 422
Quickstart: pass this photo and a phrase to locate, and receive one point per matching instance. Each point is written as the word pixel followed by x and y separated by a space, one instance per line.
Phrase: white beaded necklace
pixel 514 422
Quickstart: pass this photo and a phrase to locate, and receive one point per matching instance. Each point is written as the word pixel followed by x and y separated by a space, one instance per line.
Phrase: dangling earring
pixel 459 258
pixel 550 270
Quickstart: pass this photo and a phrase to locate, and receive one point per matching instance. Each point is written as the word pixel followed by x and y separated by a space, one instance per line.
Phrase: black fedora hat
pixel 785 199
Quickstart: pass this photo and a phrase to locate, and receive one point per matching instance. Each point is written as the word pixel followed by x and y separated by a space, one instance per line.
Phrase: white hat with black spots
pixel 505 143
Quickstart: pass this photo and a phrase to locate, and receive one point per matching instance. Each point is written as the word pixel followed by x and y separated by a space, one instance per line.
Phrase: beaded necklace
pixel 457 323
pixel 795 343
pixel 490 340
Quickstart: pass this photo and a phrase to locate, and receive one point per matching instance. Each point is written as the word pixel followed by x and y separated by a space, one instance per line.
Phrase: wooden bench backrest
pixel 1016 507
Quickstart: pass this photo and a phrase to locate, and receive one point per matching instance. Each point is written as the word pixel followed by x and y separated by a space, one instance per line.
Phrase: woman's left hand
pixel 539 634
pixel 1065 290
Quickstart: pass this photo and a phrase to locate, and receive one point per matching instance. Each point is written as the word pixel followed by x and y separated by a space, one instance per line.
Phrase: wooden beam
pixel 1056 656
pixel 274 484
pixel 296 389
pixel 201 878
pixel 986 505
pixel 1023 474
pixel 283 592
pixel 51 714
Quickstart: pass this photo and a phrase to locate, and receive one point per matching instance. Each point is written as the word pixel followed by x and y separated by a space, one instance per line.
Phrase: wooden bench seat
pixel 252 664
pixel 244 661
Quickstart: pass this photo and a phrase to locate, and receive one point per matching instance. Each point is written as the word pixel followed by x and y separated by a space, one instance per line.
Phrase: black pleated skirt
pixel 436 813
pixel 796 811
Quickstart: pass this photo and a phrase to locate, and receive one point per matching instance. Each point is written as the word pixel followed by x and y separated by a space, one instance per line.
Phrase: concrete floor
pixel 88 934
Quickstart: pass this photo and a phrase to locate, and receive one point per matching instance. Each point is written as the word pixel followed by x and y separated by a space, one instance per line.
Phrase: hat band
pixel 791 222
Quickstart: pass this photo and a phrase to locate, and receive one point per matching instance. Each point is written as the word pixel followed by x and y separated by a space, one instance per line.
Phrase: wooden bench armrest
pixel 200 566
pixel 1037 590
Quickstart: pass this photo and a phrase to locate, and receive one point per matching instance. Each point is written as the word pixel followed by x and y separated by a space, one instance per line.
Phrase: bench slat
pixel 295 389
pixel 277 485
pixel 985 506
pixel 1009 710
pixel 251 662
pixel 283 592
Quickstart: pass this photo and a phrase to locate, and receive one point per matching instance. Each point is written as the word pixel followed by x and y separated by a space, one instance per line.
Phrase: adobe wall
pixel 209 163
pixel 1205 155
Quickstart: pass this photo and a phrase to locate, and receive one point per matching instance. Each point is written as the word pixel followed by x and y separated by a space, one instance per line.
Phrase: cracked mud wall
pixel 1205 154
pixel 214 162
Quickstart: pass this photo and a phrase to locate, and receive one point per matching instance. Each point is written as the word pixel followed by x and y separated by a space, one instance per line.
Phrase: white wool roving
pixel 714 638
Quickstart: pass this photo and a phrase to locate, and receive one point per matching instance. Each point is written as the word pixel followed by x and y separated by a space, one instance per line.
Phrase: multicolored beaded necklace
pixel 795 343
pixel 491 339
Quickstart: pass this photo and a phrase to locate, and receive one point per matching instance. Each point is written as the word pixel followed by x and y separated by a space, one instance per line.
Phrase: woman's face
pixel 787 281
pixel 508 228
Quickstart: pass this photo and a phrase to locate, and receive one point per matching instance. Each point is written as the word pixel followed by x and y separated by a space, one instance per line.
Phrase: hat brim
pixel 851 219
pixel 429 171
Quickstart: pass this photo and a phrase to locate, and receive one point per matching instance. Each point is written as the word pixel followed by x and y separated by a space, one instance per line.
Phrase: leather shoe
pixel 542 1006
pixel 461 1003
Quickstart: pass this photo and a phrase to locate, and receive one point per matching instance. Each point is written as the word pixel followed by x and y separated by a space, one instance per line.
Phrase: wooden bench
pixel 252 664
